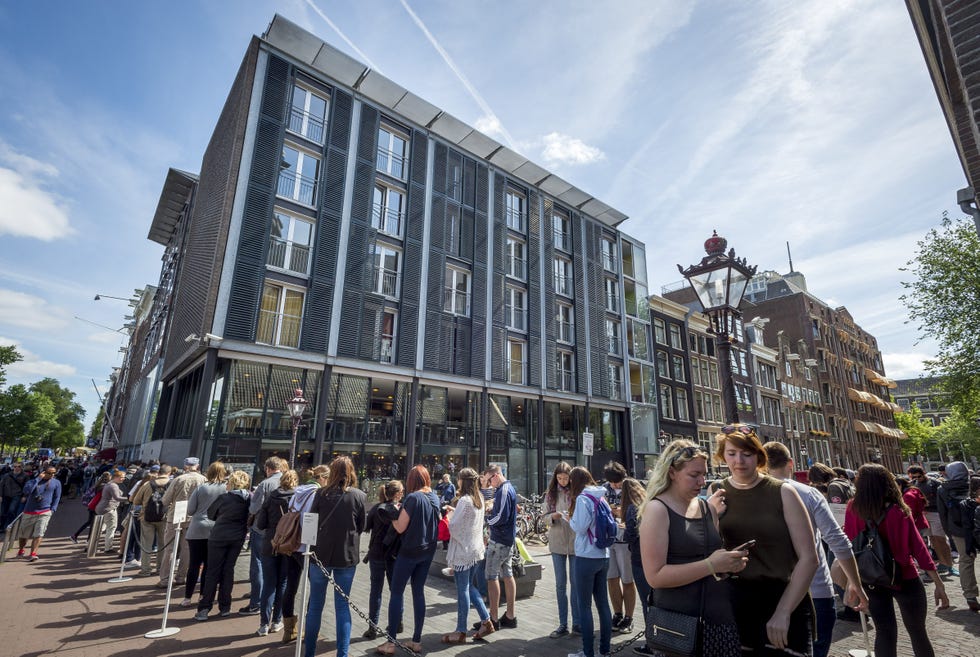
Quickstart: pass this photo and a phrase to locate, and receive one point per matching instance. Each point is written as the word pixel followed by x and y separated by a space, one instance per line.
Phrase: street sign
pixel 588 440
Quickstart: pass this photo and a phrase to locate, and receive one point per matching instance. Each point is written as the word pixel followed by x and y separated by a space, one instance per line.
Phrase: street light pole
pixel 296 406
pixel 719 282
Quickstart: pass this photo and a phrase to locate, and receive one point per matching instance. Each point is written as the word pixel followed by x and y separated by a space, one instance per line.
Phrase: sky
pixel 812 122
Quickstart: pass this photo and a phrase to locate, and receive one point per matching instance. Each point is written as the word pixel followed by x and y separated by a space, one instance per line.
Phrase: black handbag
pixel 672 632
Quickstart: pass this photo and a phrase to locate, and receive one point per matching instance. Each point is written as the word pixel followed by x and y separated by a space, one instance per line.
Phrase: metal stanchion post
pixel 180 513
pixel 123 546
pixel 308 536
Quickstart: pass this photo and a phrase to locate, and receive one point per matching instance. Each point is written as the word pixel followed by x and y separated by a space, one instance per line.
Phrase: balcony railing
pixel 386 282
pixel 515 220
pixel 516 318
pixel 565 381
pixel 612 302
pixel 516 267
pixel 610 262
pixel 289 256
pixel 386 219
pixel 563 240
pixel 456 302
pixel 615 390
pixel 563 285
pixel 296 186
pixel 565 333
pixel 387 349
pixel 271 324
pixel 304 123
pixel 391 163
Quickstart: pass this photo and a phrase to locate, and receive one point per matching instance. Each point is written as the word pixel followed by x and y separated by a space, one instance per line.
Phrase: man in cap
pixel 179 490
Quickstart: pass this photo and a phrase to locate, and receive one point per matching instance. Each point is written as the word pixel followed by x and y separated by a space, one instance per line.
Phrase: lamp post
pixel 296 406
pixel 876 455
pixel 719 282
pixel 803 455
pixel 663 439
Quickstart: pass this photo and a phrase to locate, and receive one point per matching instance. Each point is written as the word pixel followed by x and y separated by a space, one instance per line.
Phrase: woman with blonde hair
pixel 276 611
pixel 229 513
pixel 340 507
pixel 200 526
pixel 771 596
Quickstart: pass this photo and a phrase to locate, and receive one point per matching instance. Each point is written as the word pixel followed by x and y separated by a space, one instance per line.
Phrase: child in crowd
pixel 444 527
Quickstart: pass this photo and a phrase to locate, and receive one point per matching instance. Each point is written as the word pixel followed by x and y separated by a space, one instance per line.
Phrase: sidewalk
pixel 63 605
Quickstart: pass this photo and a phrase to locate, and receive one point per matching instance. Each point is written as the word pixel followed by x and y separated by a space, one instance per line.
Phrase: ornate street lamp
pixel 803 455
pixel 662 440
pixel 719 282
pixel 296 406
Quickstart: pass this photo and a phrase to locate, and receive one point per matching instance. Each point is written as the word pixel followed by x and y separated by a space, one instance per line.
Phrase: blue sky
pixel 812 122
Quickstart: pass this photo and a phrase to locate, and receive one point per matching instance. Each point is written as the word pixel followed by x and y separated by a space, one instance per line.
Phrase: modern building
pixel 437 297
pixel 675 392
pixel 922 393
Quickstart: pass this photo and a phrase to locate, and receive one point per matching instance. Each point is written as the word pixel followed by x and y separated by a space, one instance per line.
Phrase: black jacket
pixel 379 520
pixel 341 521
pixel 230 515
pixel 955 489
pixel 268 517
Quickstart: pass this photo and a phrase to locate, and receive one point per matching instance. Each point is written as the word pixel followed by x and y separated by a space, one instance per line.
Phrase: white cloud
pixel 31 366
pixel 490 125
pixel 27 209
pixel 561 149
pixel 904 365
pixel 30 312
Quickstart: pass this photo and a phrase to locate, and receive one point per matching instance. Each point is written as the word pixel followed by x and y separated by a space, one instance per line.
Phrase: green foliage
pixel 943 300
pixel 67 431
pixel 8 355
pixel 959 436
pixel 919 432
pixel 95 432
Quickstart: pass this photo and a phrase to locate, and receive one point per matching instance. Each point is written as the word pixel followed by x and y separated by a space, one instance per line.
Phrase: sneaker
pixel 973 604
pixel 33 557
pixel 642 650
pixel 201 615
pixel 249 611
pixel 560 632
pixel 73 539
pixel 576 654
pixel 134 563
pixel 21 554
pixel 225 613
pixel 186 602
pixel 626 626
pixel 507 622
pixel 263 630
pixel 276 627
pixel 370 633
pixel 576 629
pixel 111 551
pixel 617 619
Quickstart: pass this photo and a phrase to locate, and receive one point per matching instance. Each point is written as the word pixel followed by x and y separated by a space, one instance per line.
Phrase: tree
pixel 68 430
pixel 8 355
pixel 919 433
pixel 958 436
pixel 943 299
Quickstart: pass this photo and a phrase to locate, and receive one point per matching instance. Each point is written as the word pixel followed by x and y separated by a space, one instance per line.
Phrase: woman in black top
pixel 339 506
pixel 683 560
pixel 382 548
pixel 230 515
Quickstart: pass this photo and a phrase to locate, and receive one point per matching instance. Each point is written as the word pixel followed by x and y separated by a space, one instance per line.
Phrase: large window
pixel 677 368
pixel 515 309
pixel 566 371
pixel 392 152
pixel 682 413
pixel 308 114
pixel 615 381
pixel 387 267
pixel 386 336
pixel 298 175
pixel 389 209
pixel 663 368
pixel 566 323
pixel 563 277
pixel 675 336
pixel 515 361
pixel 562 228
pixel 516 211
pixel 516 259
pixel 659 331
pixel 279 316
pixel 666 402
pixel 289 247
pixel 609 259
pixel 612 294
pixel 457 292
pixel 614 337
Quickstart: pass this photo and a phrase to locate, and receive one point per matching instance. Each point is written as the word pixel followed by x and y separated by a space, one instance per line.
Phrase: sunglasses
pixel 739 428
pixel 687 453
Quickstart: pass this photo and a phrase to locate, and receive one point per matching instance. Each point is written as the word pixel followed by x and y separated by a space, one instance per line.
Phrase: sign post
pixel 180 514
pixel 124 546
pixel 308 537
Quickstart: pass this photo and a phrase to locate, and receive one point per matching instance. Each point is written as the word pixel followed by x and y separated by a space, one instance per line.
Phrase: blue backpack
pixel 605 525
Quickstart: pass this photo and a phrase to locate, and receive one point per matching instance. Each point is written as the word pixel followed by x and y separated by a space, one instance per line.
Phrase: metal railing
pixel 563 240
pixel 387 349
pixel 386 220
pixel 515 219
pixel 610 262
pixel 289 256
pixel 304 123
pixel 385 282
pixel 517 267
pixel 296 186
pixel 277 329
pixel 456 302
pixel 516 318
pixel 390 162
pixel 563 284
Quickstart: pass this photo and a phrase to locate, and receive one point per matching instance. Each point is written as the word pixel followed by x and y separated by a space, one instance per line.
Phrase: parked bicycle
pixel 532 523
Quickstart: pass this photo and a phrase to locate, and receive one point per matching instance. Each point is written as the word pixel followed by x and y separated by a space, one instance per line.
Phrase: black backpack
pixel 154 510
pixel 876 565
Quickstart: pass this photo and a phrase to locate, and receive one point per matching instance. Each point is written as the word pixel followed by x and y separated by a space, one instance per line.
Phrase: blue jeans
pixel 255 569
pixel 466 595
pixel 273 587
pixel 826 618
pixel 380 571
pixel 416 570
pixel 642 589
pixel 563 565
pixel 478 577
pixel 590 581
pixel 314 612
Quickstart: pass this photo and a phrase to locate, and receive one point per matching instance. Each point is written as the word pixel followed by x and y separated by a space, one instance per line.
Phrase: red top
pixel 444 529
pixel 903 539
pixel 916 502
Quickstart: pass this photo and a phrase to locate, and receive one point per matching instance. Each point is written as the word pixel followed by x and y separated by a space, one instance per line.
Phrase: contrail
pixel 343 36
pixel 459 74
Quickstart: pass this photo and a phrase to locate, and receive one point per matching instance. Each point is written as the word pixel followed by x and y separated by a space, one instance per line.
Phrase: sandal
pixel 415 647
pixel 486 627
pixel 455 637
pixel 387 648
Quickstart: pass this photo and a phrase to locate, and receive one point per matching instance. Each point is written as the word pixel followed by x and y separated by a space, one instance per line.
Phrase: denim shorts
pixel 498 560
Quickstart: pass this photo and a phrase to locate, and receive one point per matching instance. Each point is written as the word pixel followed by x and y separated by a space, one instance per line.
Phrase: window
pixel 675 336
pixel 636 336
pixel 566 323
pixel 563 277
pixel 613 337
pixel 386 337
pixel 298 176
pixel 659 331
pixel 457 292
pixel 609 260
pixel 515 309
pixel 615 381
pixel 515 211
pixel 789 369
pixel 392 152
pixel 453 229
pixel 612 295
pixel 666 402
pixel 280 314
pixel 677 368
pixel 516 259
pixel 695 371
pixel 662 367
pixel 308 114
pixel 387 262
pixel 566 371
pixel 290 240
pixel 562 228
pixel 515 361
pixel 454 186
pixel 682 413
pixel 389 209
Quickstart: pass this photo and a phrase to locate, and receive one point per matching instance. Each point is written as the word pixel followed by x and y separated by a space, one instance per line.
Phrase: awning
pixel 866 427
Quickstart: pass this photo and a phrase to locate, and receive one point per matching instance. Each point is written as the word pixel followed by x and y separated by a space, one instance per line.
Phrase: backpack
pixel 289 530
pixel 876 565
pixel 154 509
pixel 605 525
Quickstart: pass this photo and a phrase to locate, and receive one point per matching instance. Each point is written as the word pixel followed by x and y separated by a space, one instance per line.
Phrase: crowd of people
pixel 758 556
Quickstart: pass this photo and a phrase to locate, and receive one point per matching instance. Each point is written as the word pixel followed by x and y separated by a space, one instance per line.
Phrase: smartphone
pixel 747 545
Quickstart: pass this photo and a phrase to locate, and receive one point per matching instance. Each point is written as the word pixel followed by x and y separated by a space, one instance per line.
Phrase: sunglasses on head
pixel 740 428
pixel 687 453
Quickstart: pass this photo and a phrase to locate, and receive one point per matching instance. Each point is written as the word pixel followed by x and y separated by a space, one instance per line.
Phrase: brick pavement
pixel 63 605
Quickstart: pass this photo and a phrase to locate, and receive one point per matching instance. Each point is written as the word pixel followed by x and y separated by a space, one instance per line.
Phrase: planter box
pixel 525 585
